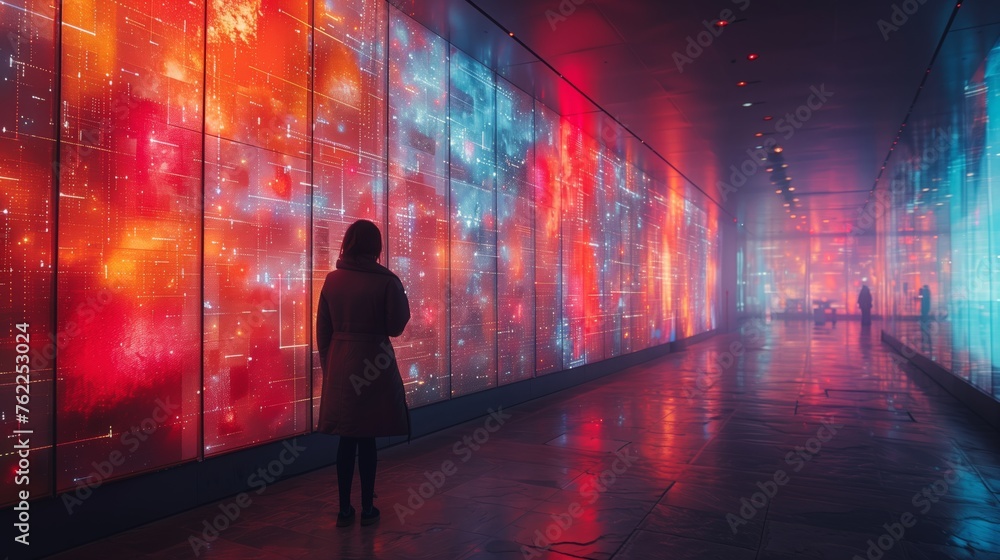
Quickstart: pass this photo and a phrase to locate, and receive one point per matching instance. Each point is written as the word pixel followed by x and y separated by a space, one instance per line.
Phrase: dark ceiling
pixel 621 56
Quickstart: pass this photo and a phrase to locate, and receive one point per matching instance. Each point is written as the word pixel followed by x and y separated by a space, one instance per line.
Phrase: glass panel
pixel 349 146
pixel 516 240
pixel 473 226
pixel 258 312
pixel 27 153
pixel 418 199
pixel 129 279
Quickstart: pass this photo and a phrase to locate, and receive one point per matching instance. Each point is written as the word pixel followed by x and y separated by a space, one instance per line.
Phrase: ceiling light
pixel 721 23
pixel 769 118
pixel 759 134
pixel 791 189
pixel 748 104
pixel 777 191
pixel 741 83
pixel 778 149
pixel 753 56
pixel 793 216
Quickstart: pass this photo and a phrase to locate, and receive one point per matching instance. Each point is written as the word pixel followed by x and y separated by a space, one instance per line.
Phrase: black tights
pixel 367 456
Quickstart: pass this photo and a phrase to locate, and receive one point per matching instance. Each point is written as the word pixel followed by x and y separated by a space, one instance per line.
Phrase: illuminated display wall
pixel 941 226
pixel 175 194
pixel 790 274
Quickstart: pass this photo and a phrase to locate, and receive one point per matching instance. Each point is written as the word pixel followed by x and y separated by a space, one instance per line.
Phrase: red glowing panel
pixel 257 311
pixel 577 187
pixel 129 279
pixel 548 241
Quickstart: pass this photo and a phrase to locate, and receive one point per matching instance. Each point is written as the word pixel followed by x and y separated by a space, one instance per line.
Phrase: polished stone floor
pixel 784 441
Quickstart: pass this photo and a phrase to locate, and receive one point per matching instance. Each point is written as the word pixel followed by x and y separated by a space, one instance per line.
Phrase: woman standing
pixel 362 304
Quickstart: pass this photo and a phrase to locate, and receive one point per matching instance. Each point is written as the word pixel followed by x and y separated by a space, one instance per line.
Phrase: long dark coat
pixel 362 304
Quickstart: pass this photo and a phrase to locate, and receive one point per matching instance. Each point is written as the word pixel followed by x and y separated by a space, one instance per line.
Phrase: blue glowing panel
pixel 418 199
pixel 27 215
pixel 472 110
pixel 257 308
pixel 548 241
pixel 349 120
pixel 516 239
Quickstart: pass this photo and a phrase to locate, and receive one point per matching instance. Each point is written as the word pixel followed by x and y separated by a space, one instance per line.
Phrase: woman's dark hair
pixel 362 239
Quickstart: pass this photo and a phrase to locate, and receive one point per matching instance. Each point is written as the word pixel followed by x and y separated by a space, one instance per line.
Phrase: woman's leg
pixel 346 452
pixel 367 462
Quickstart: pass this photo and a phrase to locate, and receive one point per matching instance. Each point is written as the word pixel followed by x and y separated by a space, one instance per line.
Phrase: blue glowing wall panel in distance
pixel 548 241
pixel 129 281
pixel 472 108
pixel 516 239
pixel 349 104
pixel 418 199
pixel 258 314
pixel 27 214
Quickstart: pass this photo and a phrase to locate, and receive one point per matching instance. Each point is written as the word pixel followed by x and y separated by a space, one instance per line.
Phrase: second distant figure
pixel 865 305
pixel 925 302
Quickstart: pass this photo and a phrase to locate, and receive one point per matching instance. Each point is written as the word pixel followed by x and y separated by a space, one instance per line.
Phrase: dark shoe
pixel 345 520
pixel 370 517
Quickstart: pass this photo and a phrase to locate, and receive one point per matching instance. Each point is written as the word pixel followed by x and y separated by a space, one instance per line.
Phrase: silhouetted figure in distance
pixel 925 302
pixel 865 305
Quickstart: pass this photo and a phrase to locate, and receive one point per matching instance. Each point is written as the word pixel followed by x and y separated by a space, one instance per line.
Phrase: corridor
pixel 786 440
